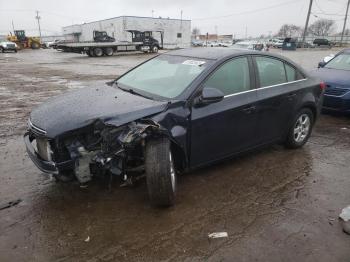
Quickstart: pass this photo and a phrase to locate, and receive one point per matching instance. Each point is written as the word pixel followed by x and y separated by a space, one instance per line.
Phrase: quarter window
pixel 232 77
pixel 291 73
pixel 271 71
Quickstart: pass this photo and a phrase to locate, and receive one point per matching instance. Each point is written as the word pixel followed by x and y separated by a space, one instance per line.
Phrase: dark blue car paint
pixel 200 134
pixel 337 93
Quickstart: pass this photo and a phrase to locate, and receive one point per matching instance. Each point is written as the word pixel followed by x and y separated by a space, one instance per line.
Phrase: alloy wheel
pixel 302 128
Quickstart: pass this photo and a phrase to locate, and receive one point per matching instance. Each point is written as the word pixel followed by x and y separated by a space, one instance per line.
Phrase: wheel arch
pixel 312 107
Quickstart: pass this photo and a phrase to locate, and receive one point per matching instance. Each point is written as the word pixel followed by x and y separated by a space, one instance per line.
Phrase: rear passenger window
pixel 271 71
pixel 291 73
pixel 232 77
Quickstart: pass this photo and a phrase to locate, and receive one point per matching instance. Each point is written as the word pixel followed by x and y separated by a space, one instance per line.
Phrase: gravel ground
pixel 275 204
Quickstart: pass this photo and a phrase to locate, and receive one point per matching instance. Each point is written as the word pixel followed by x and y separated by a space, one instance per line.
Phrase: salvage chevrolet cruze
pixel 175 112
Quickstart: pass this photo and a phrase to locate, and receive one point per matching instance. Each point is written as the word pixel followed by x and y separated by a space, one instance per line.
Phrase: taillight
pixel 323 85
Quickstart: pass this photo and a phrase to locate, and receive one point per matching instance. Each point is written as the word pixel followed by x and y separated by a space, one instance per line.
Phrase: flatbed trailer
pixel 98 49
pixel 95 49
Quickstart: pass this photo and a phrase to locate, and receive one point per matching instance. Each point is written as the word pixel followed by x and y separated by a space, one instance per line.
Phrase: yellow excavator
pixel 23 41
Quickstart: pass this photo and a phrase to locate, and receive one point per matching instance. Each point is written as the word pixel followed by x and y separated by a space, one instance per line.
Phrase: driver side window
pixel 231 77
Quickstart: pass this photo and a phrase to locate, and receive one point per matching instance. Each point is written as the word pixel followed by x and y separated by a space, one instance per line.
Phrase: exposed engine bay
pixel 101 149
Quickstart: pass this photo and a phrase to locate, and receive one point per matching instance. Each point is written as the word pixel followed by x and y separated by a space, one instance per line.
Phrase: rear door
pixel 223 128
pixel 278 85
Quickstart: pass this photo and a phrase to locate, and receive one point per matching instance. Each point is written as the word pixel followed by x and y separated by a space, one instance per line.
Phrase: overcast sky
pixel 222 16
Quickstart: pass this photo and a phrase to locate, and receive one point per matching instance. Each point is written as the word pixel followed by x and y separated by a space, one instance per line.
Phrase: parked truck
pixel 141 41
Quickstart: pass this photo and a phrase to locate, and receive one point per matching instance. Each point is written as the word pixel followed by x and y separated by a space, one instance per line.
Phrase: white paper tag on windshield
pixel 193 62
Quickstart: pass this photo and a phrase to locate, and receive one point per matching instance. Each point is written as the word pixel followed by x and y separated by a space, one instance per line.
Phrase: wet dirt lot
pixel 275 204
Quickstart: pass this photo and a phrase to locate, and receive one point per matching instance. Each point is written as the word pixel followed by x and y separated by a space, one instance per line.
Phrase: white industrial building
pixel 176 32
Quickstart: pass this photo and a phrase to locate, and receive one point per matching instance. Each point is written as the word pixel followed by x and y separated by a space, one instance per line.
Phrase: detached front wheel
pixel 160 172
pixel 300 132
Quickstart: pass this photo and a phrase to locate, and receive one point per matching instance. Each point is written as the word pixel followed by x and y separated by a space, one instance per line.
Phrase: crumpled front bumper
pixel 44 165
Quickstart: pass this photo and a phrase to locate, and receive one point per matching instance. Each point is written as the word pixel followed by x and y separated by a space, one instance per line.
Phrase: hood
pixel 333 76
pixel 80 108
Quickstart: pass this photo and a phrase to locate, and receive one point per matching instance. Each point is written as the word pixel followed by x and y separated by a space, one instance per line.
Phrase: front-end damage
pixel 117 151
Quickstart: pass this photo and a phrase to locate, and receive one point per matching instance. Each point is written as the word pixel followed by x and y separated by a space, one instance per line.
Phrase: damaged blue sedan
pixel 178 111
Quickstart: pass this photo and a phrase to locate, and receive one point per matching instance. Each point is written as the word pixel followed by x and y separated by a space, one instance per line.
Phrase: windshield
pixel 341 62
pixel 165 76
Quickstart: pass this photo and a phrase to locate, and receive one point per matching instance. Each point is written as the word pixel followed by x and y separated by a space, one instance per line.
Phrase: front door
pixel 229 126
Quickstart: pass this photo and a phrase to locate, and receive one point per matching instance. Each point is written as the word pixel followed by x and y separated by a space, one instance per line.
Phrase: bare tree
pixel 322 27
pixel 196 31
pixel 289 30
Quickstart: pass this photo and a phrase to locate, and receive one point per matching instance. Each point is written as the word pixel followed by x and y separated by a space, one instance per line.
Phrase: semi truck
pixel 141 41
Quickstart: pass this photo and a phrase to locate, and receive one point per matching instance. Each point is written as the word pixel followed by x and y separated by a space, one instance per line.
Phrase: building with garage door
pixel 176 32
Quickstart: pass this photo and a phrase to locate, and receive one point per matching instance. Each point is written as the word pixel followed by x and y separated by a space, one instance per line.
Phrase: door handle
pixel 249 109
pixel 291 96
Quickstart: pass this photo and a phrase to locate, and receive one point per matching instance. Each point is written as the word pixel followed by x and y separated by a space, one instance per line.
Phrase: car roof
pixel 209 52
pixel 220 53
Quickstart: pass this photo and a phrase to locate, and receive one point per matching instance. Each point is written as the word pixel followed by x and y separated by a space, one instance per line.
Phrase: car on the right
pixel 336 75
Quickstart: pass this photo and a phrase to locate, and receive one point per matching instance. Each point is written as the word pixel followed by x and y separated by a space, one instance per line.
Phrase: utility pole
pixel 345 20
pixel 181 27
pixel 307 22
pixel 152 13
pixel 38 18
pixel 13 27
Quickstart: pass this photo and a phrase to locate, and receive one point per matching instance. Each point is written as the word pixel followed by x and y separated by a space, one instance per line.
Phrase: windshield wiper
pixel 132 91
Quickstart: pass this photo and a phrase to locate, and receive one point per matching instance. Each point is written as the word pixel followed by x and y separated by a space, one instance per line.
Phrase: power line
pixel 327 14
pixel 42 11
pixel 248 12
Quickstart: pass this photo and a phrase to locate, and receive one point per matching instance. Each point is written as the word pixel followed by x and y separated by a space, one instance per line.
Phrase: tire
pixel 155 49
pixel 2 50
pixel 301 129
pixel 90 52
pixel 98 51
pixel 35 46
pixel 108 51
pixel 64 176
pixel 15 50
pixel 160 173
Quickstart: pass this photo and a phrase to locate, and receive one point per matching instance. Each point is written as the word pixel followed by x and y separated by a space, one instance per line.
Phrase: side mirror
pixel 321 64
pixel 209 96
pixel 110 83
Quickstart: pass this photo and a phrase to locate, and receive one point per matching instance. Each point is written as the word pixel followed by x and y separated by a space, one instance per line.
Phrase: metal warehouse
pixel 176 32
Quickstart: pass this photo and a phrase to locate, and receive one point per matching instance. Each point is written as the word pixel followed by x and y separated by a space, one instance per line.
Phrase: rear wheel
pixel 160 172
pixel 98 51
pixel 108 51
pixel 301 129
pixel 90 52
pixel 2 50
